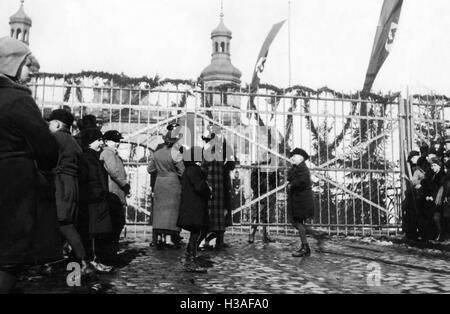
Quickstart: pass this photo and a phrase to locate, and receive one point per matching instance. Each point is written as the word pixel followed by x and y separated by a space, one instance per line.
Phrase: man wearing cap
pixel 117 183
pixel 28 227
pixel 66 182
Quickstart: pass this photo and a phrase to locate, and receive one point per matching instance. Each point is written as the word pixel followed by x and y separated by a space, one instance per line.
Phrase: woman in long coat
pixel 169 167
pixel 300 197
pixel 28 223
pixel 219 161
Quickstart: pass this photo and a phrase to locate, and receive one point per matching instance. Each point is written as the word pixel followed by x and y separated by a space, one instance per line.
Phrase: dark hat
pixel 299 151
pixel 87 122
pixel 113 135
pixel 62 115
pixel 90 135
pixel 171 138
pixel 413 154
pixel 424 150
pixel 172 126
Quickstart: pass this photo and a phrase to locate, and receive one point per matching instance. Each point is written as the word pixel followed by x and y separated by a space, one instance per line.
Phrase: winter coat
pixel 117 177
pixel 194 199
pixel 430 188
pixel 300 195
pixel 28 224
pixel 66 177
pixel 93 185
pixel 169 167
pixel 218 176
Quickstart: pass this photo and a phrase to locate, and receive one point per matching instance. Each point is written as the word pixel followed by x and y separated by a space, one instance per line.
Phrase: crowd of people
pixel 65 193
pixel 426 207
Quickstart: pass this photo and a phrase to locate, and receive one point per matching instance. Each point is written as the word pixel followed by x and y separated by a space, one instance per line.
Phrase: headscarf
pixel 13 54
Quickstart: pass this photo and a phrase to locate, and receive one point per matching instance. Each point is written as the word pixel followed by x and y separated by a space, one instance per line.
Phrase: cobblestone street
pixel 343 266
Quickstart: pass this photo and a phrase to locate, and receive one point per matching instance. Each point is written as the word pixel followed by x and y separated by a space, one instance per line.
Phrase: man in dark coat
pixel 28 225
pixel 300 198
pixel 95 224
pixel 65 177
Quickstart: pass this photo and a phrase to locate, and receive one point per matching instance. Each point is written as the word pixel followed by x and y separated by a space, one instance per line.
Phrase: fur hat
pixel 113 135
pixel 301 152
pixel 88 136
pixel 62 115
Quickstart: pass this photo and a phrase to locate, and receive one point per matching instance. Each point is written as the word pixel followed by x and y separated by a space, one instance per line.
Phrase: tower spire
pixel 20 24
pixel 221 9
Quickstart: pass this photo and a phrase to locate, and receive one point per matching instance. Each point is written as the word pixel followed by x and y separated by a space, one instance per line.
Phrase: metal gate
pixel 356 159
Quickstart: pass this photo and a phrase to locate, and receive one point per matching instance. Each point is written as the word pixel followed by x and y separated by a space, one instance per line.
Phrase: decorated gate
pixel 357 145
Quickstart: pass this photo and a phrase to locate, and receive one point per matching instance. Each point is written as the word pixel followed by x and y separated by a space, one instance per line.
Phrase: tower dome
pixel 20 24
pixel 221 70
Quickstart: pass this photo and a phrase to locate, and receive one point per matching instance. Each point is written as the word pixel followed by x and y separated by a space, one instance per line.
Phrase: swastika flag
pixel 261 61
pixel 384 38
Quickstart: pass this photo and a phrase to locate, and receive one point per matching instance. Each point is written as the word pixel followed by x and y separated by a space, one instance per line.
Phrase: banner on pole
pixel 384 39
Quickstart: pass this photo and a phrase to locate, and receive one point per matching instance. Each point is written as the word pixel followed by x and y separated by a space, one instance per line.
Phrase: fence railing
pixel 356 145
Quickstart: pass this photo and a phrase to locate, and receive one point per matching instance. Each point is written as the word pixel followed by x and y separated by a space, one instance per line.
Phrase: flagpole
pixel 289 42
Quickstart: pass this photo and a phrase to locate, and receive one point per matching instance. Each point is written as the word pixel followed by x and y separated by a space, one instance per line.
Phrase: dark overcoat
pixel 28 224
pixel 93 185
pixel 300 195
pixel 430 187
pixel 66 177
pixel 195 193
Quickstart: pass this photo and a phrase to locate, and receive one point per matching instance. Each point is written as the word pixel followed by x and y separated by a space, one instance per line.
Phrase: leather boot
pixel 303 252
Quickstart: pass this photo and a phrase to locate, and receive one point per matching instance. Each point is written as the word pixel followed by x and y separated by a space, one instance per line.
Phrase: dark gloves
pixel 126 188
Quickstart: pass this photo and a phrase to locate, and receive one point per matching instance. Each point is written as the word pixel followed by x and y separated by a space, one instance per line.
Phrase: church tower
pixel 220 71
pixel 20 25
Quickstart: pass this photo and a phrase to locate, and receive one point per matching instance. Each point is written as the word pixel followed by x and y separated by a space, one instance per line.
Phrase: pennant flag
pixel 384 38
pixel 261 61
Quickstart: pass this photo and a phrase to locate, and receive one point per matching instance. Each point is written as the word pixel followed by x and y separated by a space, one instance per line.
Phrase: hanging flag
pixel 384 38
pixel 261 61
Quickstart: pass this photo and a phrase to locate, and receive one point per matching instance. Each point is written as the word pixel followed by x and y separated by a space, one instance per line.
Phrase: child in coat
pixel 300 199
pixel 193 214
pixel 95 218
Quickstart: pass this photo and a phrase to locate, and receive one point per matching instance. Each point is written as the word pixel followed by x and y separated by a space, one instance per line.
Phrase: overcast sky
pixel 331 40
